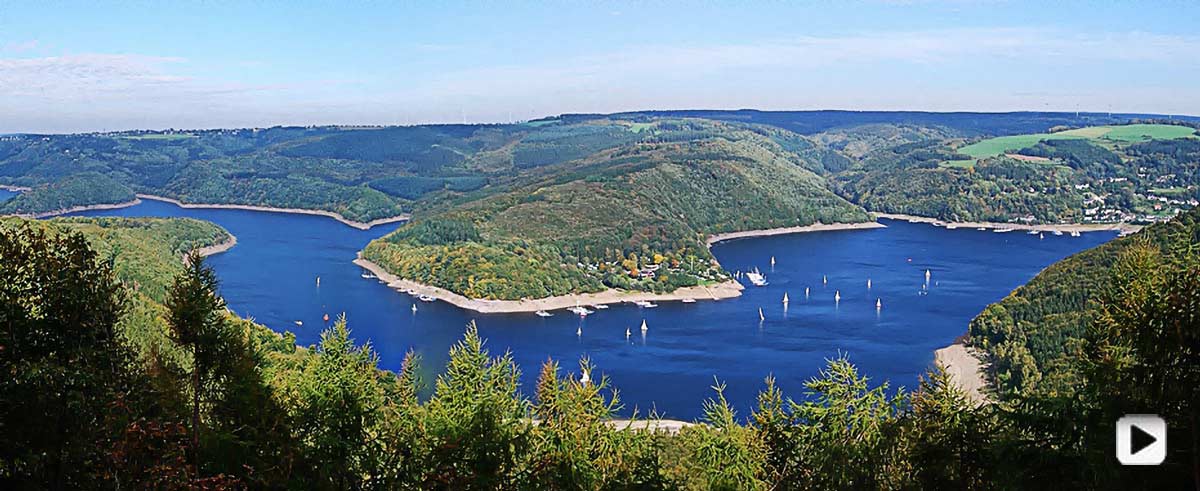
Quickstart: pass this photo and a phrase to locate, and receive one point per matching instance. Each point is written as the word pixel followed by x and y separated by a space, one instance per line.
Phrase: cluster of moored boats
pixel 1000 230
pixel 583 311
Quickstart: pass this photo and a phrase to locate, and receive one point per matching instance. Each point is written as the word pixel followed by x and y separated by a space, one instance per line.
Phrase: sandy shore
pixel 219 248
pixel 816 227
pixel 301 211
pixel 965 368
pixel 15 189
pixel 74 209
pixel 1124 228
pixel 728 289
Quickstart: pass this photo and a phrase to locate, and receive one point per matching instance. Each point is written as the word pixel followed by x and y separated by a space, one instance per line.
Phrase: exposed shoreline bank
pixel 271 209
pixel 965 369
pixel 218 248
pixel 728 289
pixel 1061 227
pixel 15 189
pixel 816 227
pixel 76 209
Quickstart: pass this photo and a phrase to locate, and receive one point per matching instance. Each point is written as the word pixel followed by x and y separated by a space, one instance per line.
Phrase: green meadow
pixel 1104 134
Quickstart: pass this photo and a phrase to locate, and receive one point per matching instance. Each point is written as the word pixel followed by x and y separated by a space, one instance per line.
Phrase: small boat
pixel 868 283
pixel 543 313
pixel 642 303
pixel 585 379
pixel 644 328
pixel 772 261
pixel 927 276
pixel 1032 232
pixel 761 317
pixel 650 305
pixel 425 298
pixel 414 308
pixel 837 296
pixel 579 331
pixel 878 303
pixel 951 226
pixel 1041 236
pixel 368 276
pixel 982 229
pixel 299 323
pixel 757 278
pixel 806 292
pixel 1003 230
pixel 410 291
pixel 627 333
pixel 785 298
pixel 1058 232
pixel 688 300
pixel 599 306
pixel 326 317
pixel 1074 233
pixel 582 312
pixel 318 282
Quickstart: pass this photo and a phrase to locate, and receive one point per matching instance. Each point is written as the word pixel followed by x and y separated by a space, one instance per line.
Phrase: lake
pixel 271 274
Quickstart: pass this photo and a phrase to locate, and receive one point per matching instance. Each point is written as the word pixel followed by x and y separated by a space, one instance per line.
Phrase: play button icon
pixel 1141 439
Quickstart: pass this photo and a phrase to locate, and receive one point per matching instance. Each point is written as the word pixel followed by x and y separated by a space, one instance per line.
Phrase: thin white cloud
pixel 20 46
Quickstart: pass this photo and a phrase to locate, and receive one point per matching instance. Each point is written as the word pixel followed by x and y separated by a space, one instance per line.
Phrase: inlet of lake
pixel 271 274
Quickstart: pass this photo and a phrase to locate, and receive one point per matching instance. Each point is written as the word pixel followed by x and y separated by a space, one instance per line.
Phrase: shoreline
pixel 271 209
pixel 15 189
pixel 220 247
pixel 1122 227
pixel 816 227
pixel 728 289
pixel 965 369
pixel 77 209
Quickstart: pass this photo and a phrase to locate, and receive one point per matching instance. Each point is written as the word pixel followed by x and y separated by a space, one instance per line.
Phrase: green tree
pixel 196 318
pixel 63 364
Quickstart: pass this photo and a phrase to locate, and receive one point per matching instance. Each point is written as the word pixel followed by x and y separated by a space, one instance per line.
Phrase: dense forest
pixel 579 203
pixel 219 402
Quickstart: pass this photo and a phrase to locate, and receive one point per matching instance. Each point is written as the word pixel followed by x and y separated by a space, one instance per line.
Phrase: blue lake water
pixel 271 276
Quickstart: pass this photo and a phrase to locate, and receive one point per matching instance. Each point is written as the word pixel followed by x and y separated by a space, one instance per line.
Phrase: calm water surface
pixel 271 277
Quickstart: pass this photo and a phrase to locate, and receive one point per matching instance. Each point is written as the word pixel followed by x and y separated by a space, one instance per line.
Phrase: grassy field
pixel 962 164
pixel 1125 133
pixel 160 136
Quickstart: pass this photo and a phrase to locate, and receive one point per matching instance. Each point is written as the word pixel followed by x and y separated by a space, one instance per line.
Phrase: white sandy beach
pixel 1049 227
pixel 965 368
pixel 301 211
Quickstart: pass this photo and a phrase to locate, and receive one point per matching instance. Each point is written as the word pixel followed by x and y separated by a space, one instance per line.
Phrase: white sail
pixel 868 283
pixel 414 307
pixel 785 298
pixel 644 328
pixel 837 296
pixel 772 260
pixel 579 331
pixel 806 292
pixel 927 276
pixel 878 303
pixel 761 317
pixel 627 332
pixel 824 280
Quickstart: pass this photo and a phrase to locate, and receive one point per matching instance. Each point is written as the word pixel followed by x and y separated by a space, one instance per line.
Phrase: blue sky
pixel 82 66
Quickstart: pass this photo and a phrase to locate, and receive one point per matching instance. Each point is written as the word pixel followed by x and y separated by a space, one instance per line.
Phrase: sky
pixel 102 66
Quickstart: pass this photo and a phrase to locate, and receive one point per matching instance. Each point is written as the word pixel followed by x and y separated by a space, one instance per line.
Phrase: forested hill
pixel 1035 337
pixel 633 217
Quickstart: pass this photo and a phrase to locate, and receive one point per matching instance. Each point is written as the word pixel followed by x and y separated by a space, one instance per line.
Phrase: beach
pixel 302 211
pixel 218 248
pixel 965 369
pixel 1124 228
pixel 816 227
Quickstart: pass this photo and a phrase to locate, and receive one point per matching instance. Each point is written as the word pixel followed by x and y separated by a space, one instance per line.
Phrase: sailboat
pixel 1041 235
pixel 326 317
pixel 1058 232
pixel 824 280
pixel 585 379
pixel 579 331
pixel 543 313
pixel 837 296
pixel 627 333
pixel 868 283
pixel 299 323
pixel 318 282
pixel 785 298
pixel 772 261
pixel 414 308
pixel 644 328
pixel 1074 233
pixel 761 317
pixel 806 292
pixel 927 276
pixel 878 303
